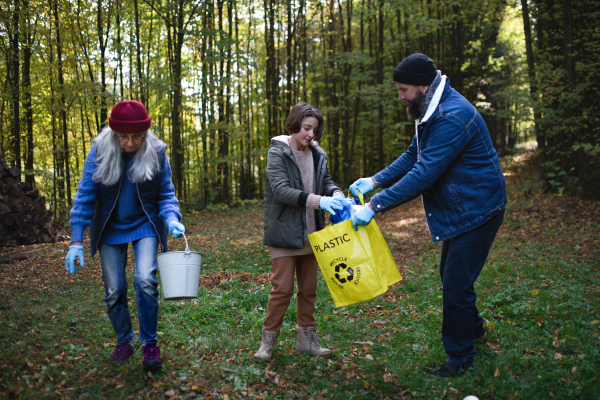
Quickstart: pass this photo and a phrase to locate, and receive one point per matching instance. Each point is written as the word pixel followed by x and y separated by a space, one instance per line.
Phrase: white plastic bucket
pixel 179 273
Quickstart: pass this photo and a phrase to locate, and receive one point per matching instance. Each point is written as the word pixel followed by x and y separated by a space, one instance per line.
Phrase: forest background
pixel 219 76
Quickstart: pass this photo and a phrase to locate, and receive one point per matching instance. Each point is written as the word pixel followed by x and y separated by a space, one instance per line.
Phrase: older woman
pixel 126 195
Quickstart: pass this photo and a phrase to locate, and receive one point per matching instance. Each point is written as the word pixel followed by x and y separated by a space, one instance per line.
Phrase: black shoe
pixel 480 335
pixel 451 371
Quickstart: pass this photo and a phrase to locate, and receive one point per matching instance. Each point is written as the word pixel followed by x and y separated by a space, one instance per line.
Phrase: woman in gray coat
pixel 297 188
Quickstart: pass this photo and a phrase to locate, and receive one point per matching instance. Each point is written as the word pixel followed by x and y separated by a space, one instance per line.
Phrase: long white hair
pixel 110 165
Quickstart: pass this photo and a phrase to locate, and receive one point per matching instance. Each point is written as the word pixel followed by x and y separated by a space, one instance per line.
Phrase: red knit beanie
pixel 129 116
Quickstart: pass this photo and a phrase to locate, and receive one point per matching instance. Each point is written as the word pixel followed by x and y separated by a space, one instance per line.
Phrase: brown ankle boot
pixel 308 342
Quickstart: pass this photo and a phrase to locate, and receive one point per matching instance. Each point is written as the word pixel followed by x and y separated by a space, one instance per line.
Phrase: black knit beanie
pixel 416 69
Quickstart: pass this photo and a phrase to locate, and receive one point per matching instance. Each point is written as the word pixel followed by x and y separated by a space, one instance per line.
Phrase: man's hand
pixel 364 185
pixel 362 217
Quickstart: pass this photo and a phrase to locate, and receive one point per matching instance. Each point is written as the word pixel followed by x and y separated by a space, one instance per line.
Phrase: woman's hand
pixel 329 203
pixel 75 251
pixel 176 229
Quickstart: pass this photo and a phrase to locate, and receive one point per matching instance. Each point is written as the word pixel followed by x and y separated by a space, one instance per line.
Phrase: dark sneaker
pixel 451 371
pixel 122 352
pixel 480 335
pixel 152 360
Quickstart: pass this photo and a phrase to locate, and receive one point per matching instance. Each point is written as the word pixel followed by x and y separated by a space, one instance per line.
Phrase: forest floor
pixel 539 294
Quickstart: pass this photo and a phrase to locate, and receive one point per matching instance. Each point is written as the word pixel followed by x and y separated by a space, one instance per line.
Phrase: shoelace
pixel 121 350
pixel 152 350
pixel 270 343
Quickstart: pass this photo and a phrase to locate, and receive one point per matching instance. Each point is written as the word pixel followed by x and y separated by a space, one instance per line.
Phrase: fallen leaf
pixel 453 390
pixel 369 357
pixel 558 356
pixel 387 377
pixel 595 322
pixel 574 370
pixel 535 292
pixel 366 384
pixel 497 373
pixel 118 386
pixel 556 343
pixel 170 393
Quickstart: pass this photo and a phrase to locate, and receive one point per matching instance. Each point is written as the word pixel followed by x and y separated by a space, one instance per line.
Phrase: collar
pixel 435 101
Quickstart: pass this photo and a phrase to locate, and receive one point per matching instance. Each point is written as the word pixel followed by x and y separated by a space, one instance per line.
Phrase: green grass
pixel 538 293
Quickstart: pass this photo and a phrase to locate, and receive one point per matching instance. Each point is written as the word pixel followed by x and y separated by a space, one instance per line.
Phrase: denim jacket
pixel 451 162
pixel 94 202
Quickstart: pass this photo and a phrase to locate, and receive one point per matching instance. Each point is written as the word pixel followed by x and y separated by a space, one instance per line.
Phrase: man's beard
pixel 414 107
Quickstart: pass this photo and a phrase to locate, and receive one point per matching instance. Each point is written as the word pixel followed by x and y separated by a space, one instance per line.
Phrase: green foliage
pixel 239 77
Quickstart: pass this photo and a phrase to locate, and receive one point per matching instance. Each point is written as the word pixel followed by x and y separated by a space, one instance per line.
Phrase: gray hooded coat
pixel 285 197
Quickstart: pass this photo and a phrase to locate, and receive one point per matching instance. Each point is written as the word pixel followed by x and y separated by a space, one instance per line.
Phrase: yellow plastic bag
pixel 357 265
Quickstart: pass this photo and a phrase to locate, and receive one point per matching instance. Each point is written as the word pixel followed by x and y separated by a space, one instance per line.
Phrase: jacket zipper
pixel 149 219
pixel 111 210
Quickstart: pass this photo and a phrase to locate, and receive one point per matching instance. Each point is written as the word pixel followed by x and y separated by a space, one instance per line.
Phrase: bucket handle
pixel 187 248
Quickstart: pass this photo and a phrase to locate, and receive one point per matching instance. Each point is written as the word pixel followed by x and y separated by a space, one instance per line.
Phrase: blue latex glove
pixel 364 185
pixel 362 217
pixel 329 203
pixel 176 229
pixel 339 195
pixel 75 251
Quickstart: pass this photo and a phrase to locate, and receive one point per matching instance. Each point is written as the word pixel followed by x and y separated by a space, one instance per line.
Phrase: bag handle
pixel 187 248
pixel 360 196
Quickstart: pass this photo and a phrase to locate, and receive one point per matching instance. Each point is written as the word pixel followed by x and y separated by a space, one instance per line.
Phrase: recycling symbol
pixel 343 273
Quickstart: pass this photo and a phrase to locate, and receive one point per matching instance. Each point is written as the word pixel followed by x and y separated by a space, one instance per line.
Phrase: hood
pixel 284 139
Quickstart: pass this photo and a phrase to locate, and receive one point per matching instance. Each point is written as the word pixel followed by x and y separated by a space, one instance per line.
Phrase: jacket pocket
pixel 455 197
pixel 281 213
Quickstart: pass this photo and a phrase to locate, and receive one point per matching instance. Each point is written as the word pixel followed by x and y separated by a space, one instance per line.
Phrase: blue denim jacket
pixel 451 162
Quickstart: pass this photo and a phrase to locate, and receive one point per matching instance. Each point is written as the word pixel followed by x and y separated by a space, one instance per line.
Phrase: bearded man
pixel 452 164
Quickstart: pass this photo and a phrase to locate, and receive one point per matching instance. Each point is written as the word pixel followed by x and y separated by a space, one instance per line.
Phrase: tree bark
pixel 539 134
pixel 138 56
pixel 15 87
pixel 63 108
pixel 29 175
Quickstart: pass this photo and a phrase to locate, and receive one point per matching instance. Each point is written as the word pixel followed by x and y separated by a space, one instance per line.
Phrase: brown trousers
pixel 283 268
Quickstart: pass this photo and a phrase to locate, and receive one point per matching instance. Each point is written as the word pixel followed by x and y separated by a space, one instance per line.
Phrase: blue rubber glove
pixel 75 251
pixel 329 203
pixel 339 195
pixel 362 217
pixel 364 185
pixel 176 229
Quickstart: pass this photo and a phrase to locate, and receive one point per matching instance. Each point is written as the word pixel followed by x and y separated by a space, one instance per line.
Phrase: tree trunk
pixel 119 49
pixel 29 175
pixel 63 108
pixel 539 134
pixel 102 42
pixel 138 57
pixel 15 88
pixel 380 124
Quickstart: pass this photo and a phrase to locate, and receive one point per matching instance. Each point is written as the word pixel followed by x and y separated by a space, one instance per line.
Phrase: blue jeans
pixel 114 259
pixel 462 259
